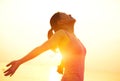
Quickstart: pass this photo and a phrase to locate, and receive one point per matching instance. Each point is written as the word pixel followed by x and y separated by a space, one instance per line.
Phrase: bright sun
pixel 54 76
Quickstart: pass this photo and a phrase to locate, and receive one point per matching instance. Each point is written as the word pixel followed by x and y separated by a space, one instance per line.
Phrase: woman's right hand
pixel 13 67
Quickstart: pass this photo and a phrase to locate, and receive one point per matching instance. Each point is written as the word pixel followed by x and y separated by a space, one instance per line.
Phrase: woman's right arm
pixel 51 43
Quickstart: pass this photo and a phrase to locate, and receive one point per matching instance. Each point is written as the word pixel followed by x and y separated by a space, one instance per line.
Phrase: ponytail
pixel 50 33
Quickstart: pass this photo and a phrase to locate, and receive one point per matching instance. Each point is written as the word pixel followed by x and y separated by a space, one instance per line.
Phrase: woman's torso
pixel 73 54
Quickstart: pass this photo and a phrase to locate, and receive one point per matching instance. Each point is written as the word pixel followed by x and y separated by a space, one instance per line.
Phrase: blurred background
pixel 24 25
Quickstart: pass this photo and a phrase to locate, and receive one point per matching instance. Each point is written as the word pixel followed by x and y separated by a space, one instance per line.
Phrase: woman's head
pixel 60 20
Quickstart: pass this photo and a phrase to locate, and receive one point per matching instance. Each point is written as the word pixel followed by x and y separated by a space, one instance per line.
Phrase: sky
pixel 24 25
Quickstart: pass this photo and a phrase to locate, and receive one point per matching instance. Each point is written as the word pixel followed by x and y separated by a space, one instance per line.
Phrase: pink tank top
pixel 73 57
pixel 73 47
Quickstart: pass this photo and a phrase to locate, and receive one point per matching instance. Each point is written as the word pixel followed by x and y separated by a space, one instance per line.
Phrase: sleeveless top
pixel 73 54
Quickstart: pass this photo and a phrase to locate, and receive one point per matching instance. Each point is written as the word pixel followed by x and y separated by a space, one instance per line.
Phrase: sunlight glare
pixel 54 76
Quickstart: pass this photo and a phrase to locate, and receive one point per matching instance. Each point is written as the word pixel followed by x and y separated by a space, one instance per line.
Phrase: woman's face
pixel 66 18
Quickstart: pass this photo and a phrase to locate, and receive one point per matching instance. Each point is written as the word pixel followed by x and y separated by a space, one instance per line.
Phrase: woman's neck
pixel 70 29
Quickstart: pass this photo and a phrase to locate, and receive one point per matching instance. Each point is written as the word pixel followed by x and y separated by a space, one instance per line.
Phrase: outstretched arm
pixel 35 52
pixel 51 43
pixel 15 64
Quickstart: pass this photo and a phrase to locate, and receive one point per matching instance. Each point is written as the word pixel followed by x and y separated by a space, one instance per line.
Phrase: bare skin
pixel 53 42
pixel 63 38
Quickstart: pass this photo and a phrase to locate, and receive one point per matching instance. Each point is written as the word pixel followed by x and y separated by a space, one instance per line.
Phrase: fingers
pixel 9 64
pixel 9 72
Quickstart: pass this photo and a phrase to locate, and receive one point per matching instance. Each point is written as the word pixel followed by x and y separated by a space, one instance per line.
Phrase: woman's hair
pixel 53 22
pixel 50 33
pixel 54 19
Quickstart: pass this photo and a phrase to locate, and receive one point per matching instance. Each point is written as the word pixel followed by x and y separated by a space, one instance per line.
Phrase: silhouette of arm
pixel 51 43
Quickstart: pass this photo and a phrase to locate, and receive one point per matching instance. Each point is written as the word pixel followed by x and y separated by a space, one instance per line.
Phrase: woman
pixel 61 35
